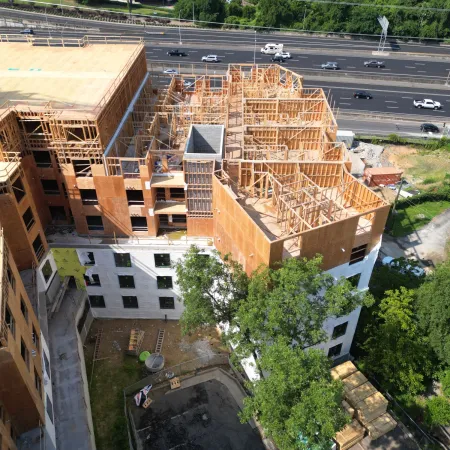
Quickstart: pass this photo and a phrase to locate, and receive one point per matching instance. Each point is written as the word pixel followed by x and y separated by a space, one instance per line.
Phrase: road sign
pixel 384 23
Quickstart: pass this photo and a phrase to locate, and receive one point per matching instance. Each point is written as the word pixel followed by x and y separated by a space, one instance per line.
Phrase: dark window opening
pixel 89 196
pixel 94 223
pixel 82 168
pixel 167 302
pixel 179 218
pixel 339 330
pixel 163 220
pixel 42 159
pixel 50 187
pixel 97 301
pixel 354 280
pixel 46 364
pixel 135 197
pixel 161 194
pixel 64 190
pixel 11 278
pixel 33 127
pixel 126 281
pixel 139 224
pixel 58 213
pixel 18 190
pixel 49 408
pixel 335 351
pixel 28 219
pixel 88 258
pixel 162 259
pixel 25 353
pixel 122 259
pixel 47 271
pixel 35 337
pixel 75 134
pixel 24 309
pixel 38 247
pixel 164 282
pixel 177 193
pixel 10 321
pixel 358 254
pixel 38 383
pixel 93 280
pixel 130 301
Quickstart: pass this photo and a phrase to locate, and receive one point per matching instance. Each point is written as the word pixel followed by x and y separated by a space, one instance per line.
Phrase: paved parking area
pixel 396 439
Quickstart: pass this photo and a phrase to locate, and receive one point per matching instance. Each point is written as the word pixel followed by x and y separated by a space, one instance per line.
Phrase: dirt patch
pixel 422 168
pixel 176 348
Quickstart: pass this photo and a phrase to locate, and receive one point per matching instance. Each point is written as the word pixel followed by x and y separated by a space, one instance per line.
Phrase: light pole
pixel 448 78
pixel 179 27
pixel 254 52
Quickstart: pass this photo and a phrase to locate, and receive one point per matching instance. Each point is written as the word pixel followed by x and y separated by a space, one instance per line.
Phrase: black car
pixel 429 128
pixel 362 94
pixel 278 58
pixel 176 53
pixel 27 31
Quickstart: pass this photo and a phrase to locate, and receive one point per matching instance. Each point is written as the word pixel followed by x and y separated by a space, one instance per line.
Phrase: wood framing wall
pixel 18 393
pixel 236 233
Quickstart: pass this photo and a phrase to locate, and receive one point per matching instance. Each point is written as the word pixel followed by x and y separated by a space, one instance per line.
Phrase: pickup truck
pixel 427 104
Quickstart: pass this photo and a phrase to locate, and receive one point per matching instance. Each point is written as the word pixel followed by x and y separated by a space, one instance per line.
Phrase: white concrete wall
pixel 144 272
pixel 49 421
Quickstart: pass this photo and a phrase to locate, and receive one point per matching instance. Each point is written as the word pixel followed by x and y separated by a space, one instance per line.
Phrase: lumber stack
pixel 365 405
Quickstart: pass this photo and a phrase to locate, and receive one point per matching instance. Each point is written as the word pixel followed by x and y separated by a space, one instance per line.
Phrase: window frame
pixel 117 259
pixel 130 305
pixel 88 282
pixel 331 354
pixel 161 280
pixel 163 255
pixel 24 309
pixel 162 305
pixel 337 333
pixel 25 353
pixel 122 277
pixel 29 224
pixel 91 297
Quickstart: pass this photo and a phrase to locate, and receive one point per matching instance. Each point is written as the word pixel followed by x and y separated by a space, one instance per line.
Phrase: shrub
pixel 437 411
pixel 445 381
pixel 430 180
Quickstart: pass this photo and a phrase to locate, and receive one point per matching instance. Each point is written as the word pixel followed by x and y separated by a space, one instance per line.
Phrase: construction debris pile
pixel 366 406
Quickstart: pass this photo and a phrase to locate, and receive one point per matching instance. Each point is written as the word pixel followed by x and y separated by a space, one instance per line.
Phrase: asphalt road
pixel 239 37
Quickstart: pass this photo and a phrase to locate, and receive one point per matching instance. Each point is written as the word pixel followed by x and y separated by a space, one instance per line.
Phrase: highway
pixel 237 47
pixel 240 37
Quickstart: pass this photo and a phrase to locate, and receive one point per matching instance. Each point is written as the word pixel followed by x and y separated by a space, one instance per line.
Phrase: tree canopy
pixel 205 10
pixel 396 350
pixel 291 302
pixel 298 399
pixel 433 310
pixel 211 289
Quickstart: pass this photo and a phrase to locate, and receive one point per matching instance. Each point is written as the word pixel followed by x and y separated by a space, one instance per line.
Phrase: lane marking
pixel 421 71
pixel 420 64
pixel 341 59
pixel 410 67
pixel 392 107
pixel 343 103
pixel 351 67
pixel 385 69
pixel 389 101
pixel 410 98
pixel 345 98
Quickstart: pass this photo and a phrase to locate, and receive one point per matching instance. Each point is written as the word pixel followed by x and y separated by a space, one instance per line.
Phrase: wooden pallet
pixel 175 383
pixel 135 342
pixel 97 343
pixel 159 341
pixel 147 403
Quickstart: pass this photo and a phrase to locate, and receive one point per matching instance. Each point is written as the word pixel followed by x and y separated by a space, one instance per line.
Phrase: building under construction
pixel 110 171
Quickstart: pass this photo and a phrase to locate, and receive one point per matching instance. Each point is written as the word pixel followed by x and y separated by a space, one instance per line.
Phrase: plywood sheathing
pixel 360 393
pixel 380 426
pixel 353 381
pixel 350 435
pixel 371 407
pixel 343 370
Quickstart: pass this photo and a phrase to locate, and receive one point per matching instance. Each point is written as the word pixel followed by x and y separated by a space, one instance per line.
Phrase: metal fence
pixel 178 370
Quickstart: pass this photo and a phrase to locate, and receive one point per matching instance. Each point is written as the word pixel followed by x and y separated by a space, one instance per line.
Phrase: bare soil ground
pixel 114 370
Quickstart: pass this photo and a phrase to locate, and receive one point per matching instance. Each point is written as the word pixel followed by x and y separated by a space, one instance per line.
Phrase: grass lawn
pixel 413 218
pixel 106 392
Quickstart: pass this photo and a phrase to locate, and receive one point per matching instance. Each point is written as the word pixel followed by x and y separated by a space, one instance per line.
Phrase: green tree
pixel 437 411
pixel 433 310
pixel 211 289
pixel 204 10
pixel 445 381
pixel 234 8
pixel 273 13
pixel 292 302
pixel 298 398
pixel 396 350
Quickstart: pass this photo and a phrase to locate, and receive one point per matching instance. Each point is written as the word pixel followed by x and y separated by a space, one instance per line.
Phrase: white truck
pixel 427 104
pixel 272 49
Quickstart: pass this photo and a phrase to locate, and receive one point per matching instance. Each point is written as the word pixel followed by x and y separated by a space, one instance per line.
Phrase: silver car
pixel 330 66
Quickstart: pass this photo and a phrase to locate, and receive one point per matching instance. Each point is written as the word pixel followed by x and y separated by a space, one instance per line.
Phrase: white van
pixel 271 49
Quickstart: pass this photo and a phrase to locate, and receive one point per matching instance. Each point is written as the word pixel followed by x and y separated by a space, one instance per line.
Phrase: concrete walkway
pixel 71 417
pixel 426 244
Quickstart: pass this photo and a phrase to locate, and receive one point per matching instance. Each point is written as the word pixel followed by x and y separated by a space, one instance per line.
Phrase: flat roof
pixel 167 180
pixel 383 171
pixel 7 169
pixel 78 77
pixel 170 207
